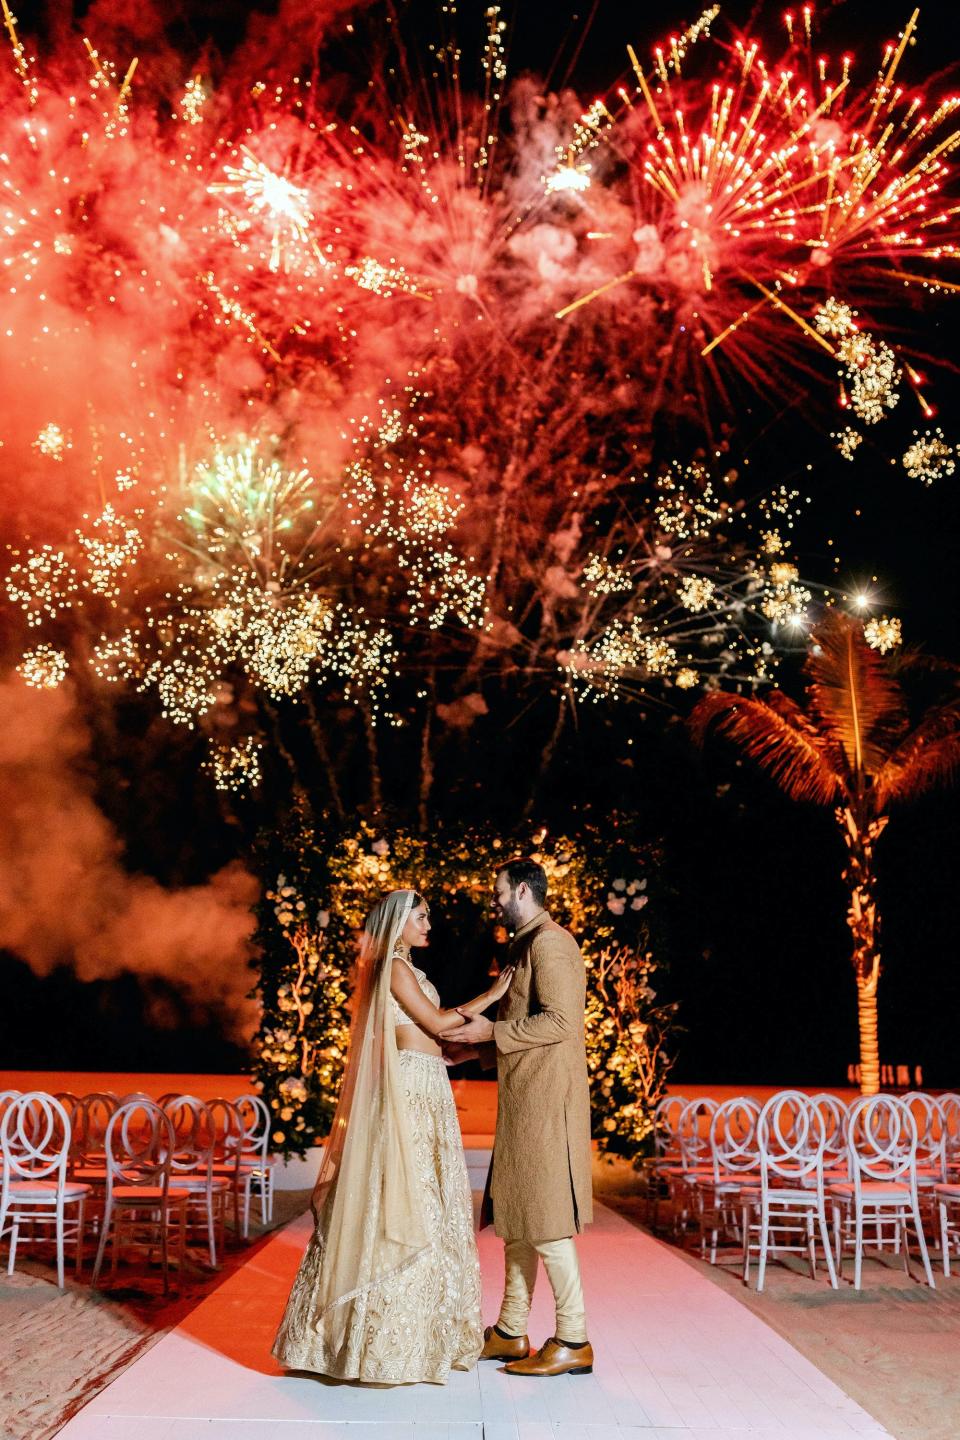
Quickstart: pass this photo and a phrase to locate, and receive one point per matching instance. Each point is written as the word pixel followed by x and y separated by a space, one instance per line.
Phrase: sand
pixel 894 1346
pixel 58 1349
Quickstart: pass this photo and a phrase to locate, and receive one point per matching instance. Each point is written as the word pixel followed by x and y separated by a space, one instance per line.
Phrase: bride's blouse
pixel 400 1016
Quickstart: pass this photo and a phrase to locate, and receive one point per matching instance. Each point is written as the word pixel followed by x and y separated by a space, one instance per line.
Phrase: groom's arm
pixel 558 987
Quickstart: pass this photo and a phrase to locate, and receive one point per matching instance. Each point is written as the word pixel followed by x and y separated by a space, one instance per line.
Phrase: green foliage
pixel 319 887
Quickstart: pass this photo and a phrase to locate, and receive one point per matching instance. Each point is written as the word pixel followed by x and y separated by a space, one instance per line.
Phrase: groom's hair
pixel 526 872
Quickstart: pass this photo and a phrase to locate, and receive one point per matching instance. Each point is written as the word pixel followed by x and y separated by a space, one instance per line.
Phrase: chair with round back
pixel 254 1113
pixel 228 1131
pixel 833 1113
pixel 734 1165
pixel 693 1142
pixel 138 1146
pixel 94 1114
pixel 666 1150
pixel 191 1168
pixel 34 1189
pixel 947 1191
pixel 931 1139
pixel 882 1191
pixel 950 1110
pixel 791 1143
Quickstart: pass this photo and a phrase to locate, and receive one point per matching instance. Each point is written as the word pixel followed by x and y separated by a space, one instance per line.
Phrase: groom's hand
pixel 455 1054
pixel 478 1030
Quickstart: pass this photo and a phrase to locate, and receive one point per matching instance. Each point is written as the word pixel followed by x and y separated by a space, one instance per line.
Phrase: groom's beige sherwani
pixel 540 1185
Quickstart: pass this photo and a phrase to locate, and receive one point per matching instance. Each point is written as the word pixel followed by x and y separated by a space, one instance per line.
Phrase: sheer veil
pixel 367 1202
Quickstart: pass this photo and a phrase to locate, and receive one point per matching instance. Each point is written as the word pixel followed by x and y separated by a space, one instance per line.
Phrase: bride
pixel 388 1290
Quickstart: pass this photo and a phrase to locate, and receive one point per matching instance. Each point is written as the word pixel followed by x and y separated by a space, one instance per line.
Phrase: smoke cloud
pixel 65 897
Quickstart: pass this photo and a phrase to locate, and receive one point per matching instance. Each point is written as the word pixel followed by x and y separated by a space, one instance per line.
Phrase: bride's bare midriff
pixel 411 1037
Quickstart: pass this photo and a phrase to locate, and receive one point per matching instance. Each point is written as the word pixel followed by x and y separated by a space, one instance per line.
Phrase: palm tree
pixel 853 745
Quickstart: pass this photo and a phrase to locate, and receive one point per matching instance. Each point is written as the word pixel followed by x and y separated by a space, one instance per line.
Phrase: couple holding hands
pixel 388 1291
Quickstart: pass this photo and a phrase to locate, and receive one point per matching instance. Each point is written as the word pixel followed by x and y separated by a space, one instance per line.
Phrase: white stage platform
pixel 676 1359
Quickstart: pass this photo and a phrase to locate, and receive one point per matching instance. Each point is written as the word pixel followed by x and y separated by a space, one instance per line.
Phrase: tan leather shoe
pixel 498 1347
pixel 555 1359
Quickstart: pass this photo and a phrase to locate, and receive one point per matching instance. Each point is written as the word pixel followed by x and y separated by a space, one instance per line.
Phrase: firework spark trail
pixel 249 273
pixel 782 178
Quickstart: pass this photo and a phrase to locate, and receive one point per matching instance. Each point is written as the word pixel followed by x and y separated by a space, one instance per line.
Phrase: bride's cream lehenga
pixel 421 1319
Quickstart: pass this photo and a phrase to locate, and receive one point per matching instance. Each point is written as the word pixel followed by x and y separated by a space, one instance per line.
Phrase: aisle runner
pixel 677 1359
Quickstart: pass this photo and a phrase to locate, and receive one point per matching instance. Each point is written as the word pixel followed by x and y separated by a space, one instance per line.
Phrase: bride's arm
pixel 430 1017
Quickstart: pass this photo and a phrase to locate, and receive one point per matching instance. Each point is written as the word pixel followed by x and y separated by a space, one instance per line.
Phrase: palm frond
pixel 778 736
pixel 853 694
pixel 929 756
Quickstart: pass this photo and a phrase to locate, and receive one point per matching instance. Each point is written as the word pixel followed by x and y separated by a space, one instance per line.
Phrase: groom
pixel 540 1187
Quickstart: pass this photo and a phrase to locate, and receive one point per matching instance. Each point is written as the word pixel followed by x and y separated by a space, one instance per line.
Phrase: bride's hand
pixel 501 985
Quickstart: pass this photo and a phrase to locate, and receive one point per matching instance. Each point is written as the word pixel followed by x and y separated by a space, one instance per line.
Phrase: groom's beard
pixel 509 915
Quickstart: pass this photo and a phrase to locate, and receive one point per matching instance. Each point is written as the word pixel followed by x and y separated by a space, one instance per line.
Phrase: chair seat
pixel 790 1195
pixel 45 1191
pixel 91 1174
pixel 133 1194
pixel 229 1170
pixel 949 1190
pixel 186 1181
pixel 874 1190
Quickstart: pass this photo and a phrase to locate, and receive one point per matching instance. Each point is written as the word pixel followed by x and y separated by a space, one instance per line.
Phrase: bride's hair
pixel 384 925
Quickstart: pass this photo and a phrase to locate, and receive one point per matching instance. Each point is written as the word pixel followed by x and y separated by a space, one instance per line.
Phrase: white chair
pixel 228 1159
pixel 91 1119
pixel 950 1110
pixel 947 1192
pixel 191 1168
pixel 833 1114
pixel 255 1118
pixel 693 1140
pixel 734 1164
pixel 882 1191
pixel 34 1189
pixel 931 1139
pixel 138 1147
pixel 791 1143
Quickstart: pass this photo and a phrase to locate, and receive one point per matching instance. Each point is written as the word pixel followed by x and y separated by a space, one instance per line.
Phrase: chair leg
pixel 211 1237
pixel 764 1242
pixel 858 1249
pixel 58 1223
pixel 921 1240
pixel 811 1247
pixel 747 1211
pixel 944 1237
pixel 80 1209
pixel 827 1250
pixel 164 1257
pixel 121 1218
pixel 838 1239
pixel 104 1231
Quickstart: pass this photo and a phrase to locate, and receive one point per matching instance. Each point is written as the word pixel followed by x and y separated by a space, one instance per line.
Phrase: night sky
pixel 758 948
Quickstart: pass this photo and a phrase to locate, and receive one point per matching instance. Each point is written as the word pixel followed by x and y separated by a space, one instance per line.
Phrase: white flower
pixel 323 919
pixel 616 905
pixel 638 902
pixel 380 847
pixel 619 884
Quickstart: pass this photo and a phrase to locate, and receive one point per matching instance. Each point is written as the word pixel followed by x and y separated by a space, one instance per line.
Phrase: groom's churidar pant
pixel 563 1271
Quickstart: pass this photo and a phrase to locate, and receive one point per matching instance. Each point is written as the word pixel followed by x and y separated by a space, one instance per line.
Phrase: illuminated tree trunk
pixel 860 834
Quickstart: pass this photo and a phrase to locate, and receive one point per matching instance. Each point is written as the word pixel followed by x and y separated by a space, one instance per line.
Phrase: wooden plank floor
pixel 677 1359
